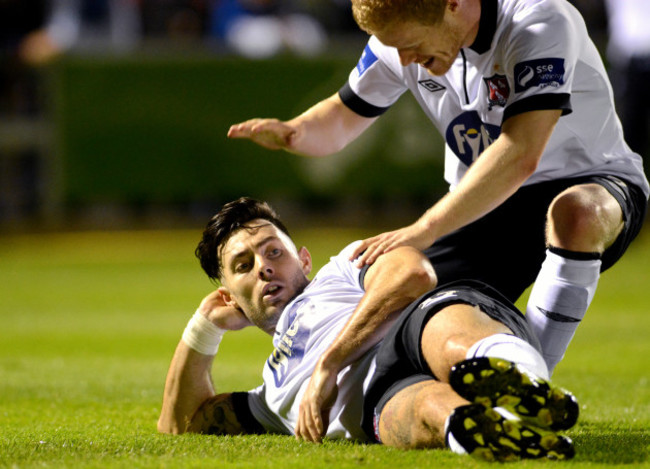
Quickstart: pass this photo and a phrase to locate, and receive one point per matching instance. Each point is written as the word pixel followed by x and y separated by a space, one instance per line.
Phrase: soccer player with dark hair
pixel 458 367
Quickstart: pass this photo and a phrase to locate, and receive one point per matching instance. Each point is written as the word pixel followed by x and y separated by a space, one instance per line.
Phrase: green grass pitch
pixel 89 322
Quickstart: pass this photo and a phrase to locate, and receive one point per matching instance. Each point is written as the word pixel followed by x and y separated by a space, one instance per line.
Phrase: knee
pixel 581 219
pixel 419 273
pixel 423 271
pixel 415 416
pixel 455 350
pixel 429 432
pixel 426 426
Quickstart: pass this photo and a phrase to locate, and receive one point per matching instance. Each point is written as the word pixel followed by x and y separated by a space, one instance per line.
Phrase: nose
pixel 406 57
pixel 265 270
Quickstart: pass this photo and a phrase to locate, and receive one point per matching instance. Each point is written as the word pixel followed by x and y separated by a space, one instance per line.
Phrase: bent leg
pixel 449 335
pixel 582 222
pixel 415 416
pixel 430 414
pixel 584 218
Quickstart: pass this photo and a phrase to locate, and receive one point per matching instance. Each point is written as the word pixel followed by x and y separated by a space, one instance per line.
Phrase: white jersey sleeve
pixel 539 55
pixel 382 84
pixel 307 327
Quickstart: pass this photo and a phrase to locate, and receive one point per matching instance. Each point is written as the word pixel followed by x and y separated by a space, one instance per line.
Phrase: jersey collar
pixel 487 26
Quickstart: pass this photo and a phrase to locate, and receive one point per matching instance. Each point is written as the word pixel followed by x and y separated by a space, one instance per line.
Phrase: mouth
pixel 271 291
pixel 427 63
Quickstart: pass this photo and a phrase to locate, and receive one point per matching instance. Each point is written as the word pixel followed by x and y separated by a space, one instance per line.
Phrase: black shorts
pixel 400 362
pixel 506 247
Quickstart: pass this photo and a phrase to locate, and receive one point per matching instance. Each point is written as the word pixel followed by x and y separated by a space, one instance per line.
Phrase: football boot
pixel 495 382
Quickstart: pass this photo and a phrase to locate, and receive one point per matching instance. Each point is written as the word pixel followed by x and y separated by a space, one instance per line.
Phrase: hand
pixel 222 315
pixel 313 415
pixel 269 133
pixel 415 235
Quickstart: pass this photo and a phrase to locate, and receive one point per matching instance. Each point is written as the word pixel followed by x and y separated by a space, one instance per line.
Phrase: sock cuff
pixel 450 439
pixel 575 255
pixel 511 348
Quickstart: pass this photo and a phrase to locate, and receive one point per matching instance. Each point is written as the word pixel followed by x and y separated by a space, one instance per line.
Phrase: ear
pixel 227 298
pixel 305 259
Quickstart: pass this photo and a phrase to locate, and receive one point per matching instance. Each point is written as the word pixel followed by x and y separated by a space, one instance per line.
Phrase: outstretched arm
pixel 393 282
pixel 323 129
pixel 190 403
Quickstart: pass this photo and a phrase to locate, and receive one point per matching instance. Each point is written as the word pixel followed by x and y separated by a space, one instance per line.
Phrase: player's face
pixel 434 48
pixel 263 272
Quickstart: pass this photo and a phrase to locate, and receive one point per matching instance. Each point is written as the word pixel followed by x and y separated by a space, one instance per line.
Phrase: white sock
pixel 507 347
pixel 451 441
pixel 510 348
pixel 559 300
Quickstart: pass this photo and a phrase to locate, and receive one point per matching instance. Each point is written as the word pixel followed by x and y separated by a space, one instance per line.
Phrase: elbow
pixel 171 426
pixel 420 277
pixel 423 278
pixel 166 427
pixel 528 167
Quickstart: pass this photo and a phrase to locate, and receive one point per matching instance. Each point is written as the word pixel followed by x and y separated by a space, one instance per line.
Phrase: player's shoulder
pixel 552 13
pixel 537 27
pixel 376 51
pixel 339 264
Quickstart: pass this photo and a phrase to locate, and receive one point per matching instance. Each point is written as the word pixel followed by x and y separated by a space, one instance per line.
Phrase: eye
pixel 242 267
pixel 275 253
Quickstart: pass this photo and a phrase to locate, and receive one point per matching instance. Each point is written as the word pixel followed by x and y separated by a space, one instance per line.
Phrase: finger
pixel 307 432
pixel 309 425
pixel 363 245
pixel 305 427
pixel 300 426
pixel 370 255
pixel 317 422
pixel 242 129
pixel 365 251
pixel 314 434
pixel 298 429
pixel 276 133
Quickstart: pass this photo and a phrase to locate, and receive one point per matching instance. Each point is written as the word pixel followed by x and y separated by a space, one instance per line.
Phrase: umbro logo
pixel 431 85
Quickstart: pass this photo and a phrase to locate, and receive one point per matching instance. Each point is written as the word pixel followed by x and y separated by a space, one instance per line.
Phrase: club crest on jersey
pixel 498 90
pixel 468 136
pixel 367 59
pixel 540 73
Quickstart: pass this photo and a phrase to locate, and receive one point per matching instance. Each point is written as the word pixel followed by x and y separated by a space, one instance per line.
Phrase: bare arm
pixel 323 129
pixel 499 172
pixel 190 403
pixel 393 282
pixel 189 388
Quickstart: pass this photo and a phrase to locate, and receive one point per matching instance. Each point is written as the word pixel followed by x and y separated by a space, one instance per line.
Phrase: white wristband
pixel 202 335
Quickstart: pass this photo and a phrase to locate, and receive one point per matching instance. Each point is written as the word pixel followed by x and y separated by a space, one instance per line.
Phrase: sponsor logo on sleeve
pixel 539 73
pixel 498 90
pixel 367 59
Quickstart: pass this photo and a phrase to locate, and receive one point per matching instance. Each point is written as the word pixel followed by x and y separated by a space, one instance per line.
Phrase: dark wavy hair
pixel 232 217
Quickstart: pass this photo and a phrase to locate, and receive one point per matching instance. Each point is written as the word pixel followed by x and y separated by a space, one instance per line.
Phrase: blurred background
pixel 114 113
